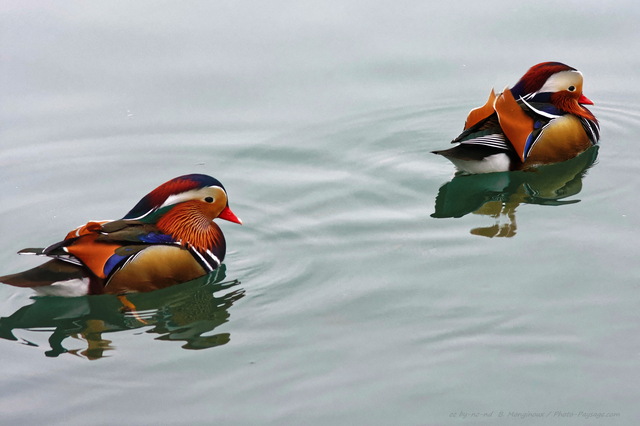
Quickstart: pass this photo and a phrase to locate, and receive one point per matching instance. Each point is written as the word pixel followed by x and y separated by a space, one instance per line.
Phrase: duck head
pixel 201 192
pixel 557 84
pixel 185 207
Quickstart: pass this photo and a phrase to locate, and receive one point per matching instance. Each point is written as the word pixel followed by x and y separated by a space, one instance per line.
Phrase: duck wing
pixel 103 246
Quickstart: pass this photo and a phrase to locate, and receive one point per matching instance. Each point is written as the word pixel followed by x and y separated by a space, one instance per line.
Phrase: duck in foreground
pixel 169 237
pixel 540 120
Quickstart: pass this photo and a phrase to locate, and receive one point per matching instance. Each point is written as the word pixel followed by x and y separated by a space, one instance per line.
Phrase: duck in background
pixel 540 120
pixel 169 237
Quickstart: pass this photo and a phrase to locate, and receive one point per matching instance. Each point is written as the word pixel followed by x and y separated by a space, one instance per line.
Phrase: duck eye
pixel 209 199
pixel 572 88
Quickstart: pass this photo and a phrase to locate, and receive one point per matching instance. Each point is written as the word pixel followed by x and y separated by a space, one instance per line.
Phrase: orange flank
pixel 92 253
pixel 515 123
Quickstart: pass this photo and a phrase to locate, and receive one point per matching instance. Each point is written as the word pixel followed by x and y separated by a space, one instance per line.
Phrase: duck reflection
pixel 497 195
pixel 182 312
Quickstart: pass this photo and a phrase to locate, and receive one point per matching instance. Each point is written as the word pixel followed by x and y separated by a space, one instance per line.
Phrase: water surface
pixel 368 284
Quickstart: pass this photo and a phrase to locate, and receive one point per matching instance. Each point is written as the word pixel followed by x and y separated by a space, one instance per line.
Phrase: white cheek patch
pixel 561 81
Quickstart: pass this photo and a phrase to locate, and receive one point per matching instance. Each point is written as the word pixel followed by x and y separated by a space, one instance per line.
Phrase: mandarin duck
pixel 540 120
pixel 169 237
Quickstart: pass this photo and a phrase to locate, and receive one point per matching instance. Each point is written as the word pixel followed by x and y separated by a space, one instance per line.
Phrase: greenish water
pixel 367 284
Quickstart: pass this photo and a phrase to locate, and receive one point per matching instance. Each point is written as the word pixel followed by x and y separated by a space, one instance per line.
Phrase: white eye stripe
pixel 561 81
pixel 188 195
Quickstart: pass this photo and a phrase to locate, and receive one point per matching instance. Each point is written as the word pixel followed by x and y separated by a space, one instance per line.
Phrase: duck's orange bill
pixel 584 100
pixel 227 214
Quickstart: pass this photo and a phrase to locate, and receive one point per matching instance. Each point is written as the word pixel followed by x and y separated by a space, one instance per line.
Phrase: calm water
pixel 368 285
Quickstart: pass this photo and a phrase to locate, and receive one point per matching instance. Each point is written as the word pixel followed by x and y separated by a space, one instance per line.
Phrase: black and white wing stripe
pixel 495 140
pixel 207 260
pixel 592 129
